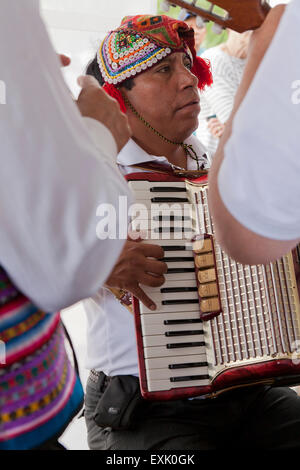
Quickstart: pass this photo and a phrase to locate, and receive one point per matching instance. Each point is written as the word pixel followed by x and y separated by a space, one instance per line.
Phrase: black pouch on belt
pixel 118 406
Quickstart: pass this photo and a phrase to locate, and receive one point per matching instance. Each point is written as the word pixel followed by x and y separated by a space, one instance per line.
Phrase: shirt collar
pixel 133 154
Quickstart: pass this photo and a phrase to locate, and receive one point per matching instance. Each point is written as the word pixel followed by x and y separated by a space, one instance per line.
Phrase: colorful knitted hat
pixel 140 42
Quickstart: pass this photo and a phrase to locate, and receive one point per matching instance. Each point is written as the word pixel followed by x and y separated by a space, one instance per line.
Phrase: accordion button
pixel 207 275
pixel 210 305
pixel 202 246
pixel 204 261
pixel 208 290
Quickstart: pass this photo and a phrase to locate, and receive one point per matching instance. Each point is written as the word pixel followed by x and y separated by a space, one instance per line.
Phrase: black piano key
pixel 182 322
pixel 177 259
pixel 187 365
pixel 185 345
pixel 169 290
pixel 168 199
pixel 184 333
pixel 180 301
pixel 172 229
pixel 176 248
pixel 189 377
pixel 167 218
pixel 170 189
pixel 180 270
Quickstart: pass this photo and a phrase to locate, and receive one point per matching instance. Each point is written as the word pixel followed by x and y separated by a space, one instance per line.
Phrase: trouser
pixel 258 417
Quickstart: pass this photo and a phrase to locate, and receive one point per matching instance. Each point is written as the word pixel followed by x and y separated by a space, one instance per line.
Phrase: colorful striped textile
pixel 39 390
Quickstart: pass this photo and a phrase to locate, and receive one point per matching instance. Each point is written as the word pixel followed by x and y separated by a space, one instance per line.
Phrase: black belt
pixel 100 378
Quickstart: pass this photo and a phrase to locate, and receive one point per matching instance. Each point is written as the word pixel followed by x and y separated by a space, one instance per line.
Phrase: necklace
pixel 188 149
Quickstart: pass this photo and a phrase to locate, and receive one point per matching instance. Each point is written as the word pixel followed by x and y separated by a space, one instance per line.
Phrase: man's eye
pixel 188 65
pixel 166 68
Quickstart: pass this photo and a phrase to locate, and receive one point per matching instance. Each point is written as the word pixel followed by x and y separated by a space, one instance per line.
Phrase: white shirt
pixel 53 174
pixel 259 180
pixel 218 99
pixel 111 341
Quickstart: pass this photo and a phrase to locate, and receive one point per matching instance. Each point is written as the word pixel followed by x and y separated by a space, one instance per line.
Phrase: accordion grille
pixel 260 308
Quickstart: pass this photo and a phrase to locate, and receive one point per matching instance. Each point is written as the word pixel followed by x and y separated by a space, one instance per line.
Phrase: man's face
pixel 167 97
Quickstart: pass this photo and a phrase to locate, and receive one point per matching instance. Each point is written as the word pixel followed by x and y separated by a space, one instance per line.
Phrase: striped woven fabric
pixel 39 390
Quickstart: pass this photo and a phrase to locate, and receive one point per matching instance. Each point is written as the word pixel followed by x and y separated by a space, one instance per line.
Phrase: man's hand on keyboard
pixel 139 263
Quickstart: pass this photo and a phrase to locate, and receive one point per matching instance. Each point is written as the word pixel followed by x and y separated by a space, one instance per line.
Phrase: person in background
pixel 50 255
pixel 162 104
pixel 228 61
pixel 199 32
pixel 257 219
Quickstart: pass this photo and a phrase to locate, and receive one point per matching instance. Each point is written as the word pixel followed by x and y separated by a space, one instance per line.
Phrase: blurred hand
pixel 216 127
pixel 95 103
pixel 136 265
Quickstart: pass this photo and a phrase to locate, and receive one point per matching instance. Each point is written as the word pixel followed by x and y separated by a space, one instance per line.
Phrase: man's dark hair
pixel 93 70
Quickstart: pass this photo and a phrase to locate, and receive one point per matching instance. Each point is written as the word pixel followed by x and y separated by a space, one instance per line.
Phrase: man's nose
pixel 186 78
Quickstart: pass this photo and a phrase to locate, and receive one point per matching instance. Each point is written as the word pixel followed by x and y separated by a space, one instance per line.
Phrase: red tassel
pixel 202 70
pixel 112 91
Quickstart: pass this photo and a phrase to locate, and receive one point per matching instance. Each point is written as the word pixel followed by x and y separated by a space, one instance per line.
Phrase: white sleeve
pixel 53 176
pixel 259 177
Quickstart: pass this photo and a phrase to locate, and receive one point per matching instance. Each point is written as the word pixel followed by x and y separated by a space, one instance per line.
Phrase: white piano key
pixel 165 374
pixel 160 340
pixel 174 296
pixel 162 351
pixel 160 385
pixel 157 319
pixel 181 264
pixel 170 308
pixel 163 362
pixel 180 276
pixel 178 254
pixel 174 284
pixel 164 208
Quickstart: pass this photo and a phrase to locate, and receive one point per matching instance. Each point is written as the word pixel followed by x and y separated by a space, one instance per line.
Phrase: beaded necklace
pixel 188 149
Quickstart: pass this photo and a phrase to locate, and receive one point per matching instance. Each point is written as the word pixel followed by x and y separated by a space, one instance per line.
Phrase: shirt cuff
pixel 103 139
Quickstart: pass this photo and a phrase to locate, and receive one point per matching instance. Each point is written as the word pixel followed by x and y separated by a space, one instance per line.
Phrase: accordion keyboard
pixel 173 337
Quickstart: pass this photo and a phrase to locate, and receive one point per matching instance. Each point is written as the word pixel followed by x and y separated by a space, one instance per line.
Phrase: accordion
pixel 218 325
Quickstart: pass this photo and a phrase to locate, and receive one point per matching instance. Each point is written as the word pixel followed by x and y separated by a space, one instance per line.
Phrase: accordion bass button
pixel 210 305
pixel 202 246
pixel 207 275
pixel 208 290
pixel 205 261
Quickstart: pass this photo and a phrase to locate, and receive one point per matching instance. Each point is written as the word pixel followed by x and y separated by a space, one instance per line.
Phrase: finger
pixel 156 267
pixel 140 294
pixel 136 236
pixel 151 280
pixel 152 251
pixel 86 81
pixel 64 60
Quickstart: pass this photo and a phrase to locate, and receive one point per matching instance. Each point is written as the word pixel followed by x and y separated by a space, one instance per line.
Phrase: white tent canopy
pixel 76 27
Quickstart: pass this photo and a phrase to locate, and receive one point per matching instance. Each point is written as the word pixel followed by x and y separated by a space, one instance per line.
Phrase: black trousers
pixel 259 417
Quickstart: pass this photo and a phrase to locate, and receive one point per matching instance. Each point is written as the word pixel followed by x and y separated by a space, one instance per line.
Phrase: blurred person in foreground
pixel 50 255
pixel 150 65
pixel 254 181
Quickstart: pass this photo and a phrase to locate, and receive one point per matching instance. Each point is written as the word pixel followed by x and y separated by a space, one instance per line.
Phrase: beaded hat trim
pixel 123 54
